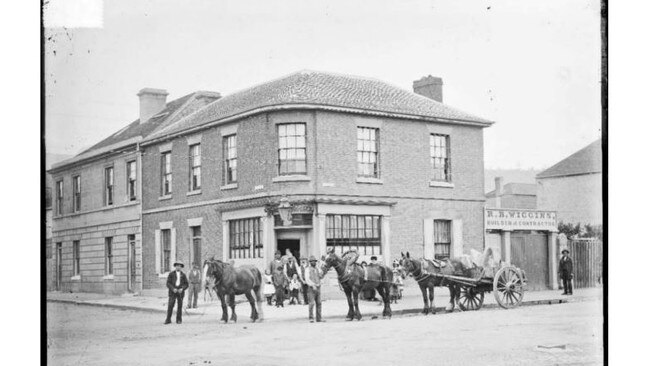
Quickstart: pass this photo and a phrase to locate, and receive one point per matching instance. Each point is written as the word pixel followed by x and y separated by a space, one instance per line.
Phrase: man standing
pixel 566 272
pixel 313 277
pixel 280 282
pixel 304 266
pixel 177 284
pixel 275 263
pixel 195 287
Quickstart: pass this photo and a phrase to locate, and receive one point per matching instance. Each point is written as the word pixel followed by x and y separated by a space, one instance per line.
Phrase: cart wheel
pixel 470 299
pixel 509 287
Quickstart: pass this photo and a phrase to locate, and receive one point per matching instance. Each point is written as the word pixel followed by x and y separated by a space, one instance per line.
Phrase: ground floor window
pixel 442 238
pixel 165 250
pixel 363 232
pixel 76 258
pixel 245 238
pixel 196 245
pixel 108 245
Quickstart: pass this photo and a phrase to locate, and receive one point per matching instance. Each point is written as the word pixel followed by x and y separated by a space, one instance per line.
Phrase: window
pixel 76 193
pixel 108 252
pixel 48 248
pixel 59 198
pixel 196 245
pixel 442 238
pixel 48 197
pixel 131 179
pixel 292 155
pixel 440 160
pixel 245 237
pixel 344 232
pixel 195 167
pixel 367 152
pixel 108 186
pixel 76 258
pixel 166 170
pixel 230 159
pixel 165 250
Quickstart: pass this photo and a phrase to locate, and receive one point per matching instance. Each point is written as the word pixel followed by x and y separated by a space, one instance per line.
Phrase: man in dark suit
pixel 566 272
pixel 177 284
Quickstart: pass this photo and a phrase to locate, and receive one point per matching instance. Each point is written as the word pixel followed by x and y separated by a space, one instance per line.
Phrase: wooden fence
pixel 587 256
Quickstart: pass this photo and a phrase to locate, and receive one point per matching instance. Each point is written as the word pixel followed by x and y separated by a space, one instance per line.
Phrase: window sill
pixel 193 193
pixel 163 275
pixel 162 198
pixel 369 180
pixel 76 278
pixel 291 178
pixel 434 183
pixel 229 186
pixel 108 277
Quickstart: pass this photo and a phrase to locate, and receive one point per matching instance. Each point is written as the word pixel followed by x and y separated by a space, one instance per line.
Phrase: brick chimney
pixel 430 87
pixel 498 191
pixel 152 101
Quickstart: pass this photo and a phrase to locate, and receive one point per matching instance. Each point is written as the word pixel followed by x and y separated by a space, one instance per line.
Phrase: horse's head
pixel 212 269
pixel 329 260
pixel 408 264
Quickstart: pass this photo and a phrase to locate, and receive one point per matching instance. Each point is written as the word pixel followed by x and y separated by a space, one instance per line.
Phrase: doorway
pixel 292 244
pixel 530 253
pixel 59 265
pixel 131 263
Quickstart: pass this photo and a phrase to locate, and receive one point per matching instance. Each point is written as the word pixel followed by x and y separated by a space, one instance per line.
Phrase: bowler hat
pixel 179 264
pixel 373 258
pixel 565 250
pixel 312 259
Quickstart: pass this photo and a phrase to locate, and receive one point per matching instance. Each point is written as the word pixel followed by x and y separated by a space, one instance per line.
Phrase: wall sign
pixel 515 219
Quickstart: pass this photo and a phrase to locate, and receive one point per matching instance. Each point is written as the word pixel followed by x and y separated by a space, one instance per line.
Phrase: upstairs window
pixel 442 238
pixel 230 159
pixel 131 179
pixel 440 157
pixel 292 150
pixel 76 193
pixel 195 167
pixel 108 186
pixel 59 197
pixel 368 152
pixel 166 173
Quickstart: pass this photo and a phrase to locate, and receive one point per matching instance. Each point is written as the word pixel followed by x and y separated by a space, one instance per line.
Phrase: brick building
pixel 96 215
pixel 573 187
pixel 512 195
pixel 309 161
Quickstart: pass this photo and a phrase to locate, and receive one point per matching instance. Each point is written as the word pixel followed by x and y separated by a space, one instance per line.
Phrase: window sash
pixel 442 238
pixel 76 260
pixel 166 173
pixel 108 186
pixel 131 178
pixel 109 255
pixel 440 155
pixel 230 159
pixel 59 197
pixel 363 232
pixel 292 149
pixel 368 152
pixel 195 167
pixel 165 250
pixel 245 238
pixel 76 191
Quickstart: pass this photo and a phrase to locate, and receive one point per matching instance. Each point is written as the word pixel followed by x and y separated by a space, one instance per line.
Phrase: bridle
pixel 418 277
pixel 340 268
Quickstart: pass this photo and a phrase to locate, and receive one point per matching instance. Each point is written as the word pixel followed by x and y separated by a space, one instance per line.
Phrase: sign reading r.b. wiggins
pixel 514 219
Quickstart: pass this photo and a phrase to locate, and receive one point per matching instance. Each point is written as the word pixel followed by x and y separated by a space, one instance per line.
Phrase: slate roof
pixel 586 161
pixel 317 89
pixel 516 189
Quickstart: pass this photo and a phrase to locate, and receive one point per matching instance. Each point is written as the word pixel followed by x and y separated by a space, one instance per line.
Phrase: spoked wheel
pixel 509 287
pixel 470 298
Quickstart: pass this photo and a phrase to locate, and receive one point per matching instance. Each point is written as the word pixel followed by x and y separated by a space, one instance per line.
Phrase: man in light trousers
pixel 313 278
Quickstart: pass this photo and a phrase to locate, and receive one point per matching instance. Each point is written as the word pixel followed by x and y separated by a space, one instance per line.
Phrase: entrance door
pixel 530 253
pixel 131 269
pixel 292 244
pixel 59 265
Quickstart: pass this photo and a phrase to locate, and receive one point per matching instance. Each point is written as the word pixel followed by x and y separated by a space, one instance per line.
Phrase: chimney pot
pixel 152 101
pixel 430 87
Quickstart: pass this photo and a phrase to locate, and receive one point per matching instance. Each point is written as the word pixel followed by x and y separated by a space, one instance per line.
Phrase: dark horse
pixel 352 281
pixel 231 281
pixel 425 273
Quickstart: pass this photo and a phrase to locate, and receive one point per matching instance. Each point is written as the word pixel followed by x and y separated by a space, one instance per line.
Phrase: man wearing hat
pixel 313 276
pixel 566 272
pixel 195 286
pixel 304 266
pixel 276 262
pixel 177 284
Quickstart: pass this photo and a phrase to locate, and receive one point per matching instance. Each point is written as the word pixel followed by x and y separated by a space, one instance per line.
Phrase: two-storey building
pixel 310 161
pixel 97 196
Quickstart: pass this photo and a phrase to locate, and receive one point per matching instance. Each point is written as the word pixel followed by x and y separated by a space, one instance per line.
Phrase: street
pixel 541 335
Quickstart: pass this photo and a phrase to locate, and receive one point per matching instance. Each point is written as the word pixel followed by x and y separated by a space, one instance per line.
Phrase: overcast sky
pixel 531 66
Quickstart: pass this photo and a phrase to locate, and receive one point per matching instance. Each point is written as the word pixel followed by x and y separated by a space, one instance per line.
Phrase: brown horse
pixel 425 273
pixel 351 279
pixel 231 281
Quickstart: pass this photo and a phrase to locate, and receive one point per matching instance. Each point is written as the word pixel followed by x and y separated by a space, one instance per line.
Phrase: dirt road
pixel 541 335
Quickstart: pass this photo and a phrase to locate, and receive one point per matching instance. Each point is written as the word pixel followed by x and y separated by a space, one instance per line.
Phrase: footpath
pixel 334 305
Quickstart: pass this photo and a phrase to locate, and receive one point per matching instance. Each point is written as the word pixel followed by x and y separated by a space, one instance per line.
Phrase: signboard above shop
pixel 516 219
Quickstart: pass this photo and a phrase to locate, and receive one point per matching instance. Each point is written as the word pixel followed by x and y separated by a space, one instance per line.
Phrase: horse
pixel 231 281
pixel 209 289
pixel 425 271
pixel 351 279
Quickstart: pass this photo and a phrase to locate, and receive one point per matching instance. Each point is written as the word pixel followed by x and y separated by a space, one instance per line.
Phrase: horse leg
pixel 224 307
pixel 423 288
pixel 432 305
pixel 348 294
pixel 452 299
pixel 355 300
pixel 385 295
pixel 231 301
pixel 251 300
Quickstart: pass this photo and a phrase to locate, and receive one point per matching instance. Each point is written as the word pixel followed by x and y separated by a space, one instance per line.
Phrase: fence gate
pixel 530 253
pixel 587 256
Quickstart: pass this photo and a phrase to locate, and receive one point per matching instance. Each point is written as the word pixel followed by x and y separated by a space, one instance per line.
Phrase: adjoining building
pixel 573 187
pixel 311 161
pixel 512 195
pixel 96 224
